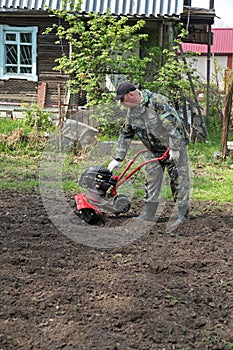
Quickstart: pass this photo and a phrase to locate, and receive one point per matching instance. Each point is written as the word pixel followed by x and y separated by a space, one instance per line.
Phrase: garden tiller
pixel 102 186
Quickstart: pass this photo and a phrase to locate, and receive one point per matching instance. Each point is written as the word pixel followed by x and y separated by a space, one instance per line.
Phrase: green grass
pixel 8 125
pixel 212 178
pixel 18 172
pixel 216 187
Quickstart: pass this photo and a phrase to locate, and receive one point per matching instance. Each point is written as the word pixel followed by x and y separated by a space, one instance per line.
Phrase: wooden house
pixel 221 58
pixel 27 55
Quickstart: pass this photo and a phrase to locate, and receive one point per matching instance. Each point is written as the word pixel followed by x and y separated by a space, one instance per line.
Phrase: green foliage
pixel 8 125
pixel 37 118
pixel 12 136
pixel 110 118
pixel 172 79
pixel 106 46
pixel 27 134
pixel 153 54
pixel 229 345
pixel 101 44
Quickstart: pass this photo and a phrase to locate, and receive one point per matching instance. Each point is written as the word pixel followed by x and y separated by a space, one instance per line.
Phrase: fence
pixel 54 96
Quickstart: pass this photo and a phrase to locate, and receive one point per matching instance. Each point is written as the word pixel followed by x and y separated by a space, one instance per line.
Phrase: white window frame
pixel 28 76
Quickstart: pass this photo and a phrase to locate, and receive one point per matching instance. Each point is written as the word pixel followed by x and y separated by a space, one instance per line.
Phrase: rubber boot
pixel 183 216
pixel 183 213
pixel 149 211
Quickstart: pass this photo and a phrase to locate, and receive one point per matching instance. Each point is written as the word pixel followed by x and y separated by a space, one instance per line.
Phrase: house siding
pixel 18 91
pixel 45 56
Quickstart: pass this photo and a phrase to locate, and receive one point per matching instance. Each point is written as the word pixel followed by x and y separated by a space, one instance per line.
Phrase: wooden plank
pixel 17 99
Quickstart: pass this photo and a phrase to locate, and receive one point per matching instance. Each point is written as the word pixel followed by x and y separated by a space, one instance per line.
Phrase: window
pixel 18 52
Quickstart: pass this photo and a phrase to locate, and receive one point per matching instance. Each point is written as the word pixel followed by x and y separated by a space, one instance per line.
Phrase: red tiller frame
pixel 122 179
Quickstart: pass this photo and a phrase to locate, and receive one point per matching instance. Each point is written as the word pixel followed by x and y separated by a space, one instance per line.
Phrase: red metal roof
pixel 222 42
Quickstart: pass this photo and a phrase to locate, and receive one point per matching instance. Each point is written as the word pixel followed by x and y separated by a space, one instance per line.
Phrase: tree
pixel 100 45
pixel 106 45
pixel 173 77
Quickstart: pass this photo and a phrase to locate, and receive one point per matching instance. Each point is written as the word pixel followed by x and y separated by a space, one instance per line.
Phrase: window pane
pixel 11 70
pixel 25 54
pixel 25 70
pixel 10 37
pixel 11 54
pixel 25 37
pixel 19 48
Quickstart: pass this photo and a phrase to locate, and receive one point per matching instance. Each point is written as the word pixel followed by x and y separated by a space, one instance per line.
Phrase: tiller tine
pixel 86 211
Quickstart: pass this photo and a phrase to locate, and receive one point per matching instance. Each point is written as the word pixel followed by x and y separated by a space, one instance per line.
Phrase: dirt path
pixel 157 292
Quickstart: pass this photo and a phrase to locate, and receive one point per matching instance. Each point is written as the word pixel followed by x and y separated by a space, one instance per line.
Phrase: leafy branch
pixel 100 45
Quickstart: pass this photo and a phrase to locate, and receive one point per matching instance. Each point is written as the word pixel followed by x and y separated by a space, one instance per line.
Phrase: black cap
pixel 123 89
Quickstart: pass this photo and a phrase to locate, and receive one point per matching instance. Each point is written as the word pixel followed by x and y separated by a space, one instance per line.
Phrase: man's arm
pixel 124 141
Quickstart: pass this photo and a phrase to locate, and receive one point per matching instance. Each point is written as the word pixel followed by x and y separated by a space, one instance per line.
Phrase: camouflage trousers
pixel 178 172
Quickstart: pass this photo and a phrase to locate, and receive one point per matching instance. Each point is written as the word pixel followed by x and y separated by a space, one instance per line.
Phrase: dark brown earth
pixel 160 291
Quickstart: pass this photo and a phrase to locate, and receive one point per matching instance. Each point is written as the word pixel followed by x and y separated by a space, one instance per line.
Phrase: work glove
pixel 114 164
pixel 174 155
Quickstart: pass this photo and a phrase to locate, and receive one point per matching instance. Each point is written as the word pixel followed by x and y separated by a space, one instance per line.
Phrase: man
pixel 158 126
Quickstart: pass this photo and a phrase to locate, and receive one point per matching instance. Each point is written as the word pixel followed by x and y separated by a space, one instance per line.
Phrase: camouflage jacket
pixel 155 122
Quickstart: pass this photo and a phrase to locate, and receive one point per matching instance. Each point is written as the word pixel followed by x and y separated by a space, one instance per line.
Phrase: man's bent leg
pixel 154 175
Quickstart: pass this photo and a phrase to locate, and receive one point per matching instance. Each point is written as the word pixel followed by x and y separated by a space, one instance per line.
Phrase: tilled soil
pixel 160 291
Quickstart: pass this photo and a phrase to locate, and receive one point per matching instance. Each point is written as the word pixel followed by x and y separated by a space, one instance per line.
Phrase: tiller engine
pixel 101 194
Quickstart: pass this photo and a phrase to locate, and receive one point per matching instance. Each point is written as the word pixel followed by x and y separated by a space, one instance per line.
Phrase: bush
pixel 36 118
pixel 21 134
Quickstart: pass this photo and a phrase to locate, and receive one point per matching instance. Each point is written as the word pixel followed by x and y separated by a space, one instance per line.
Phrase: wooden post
pixel 227 79
pixel 60 120
pixel 208 76
pixel 76 143
pixel 226 121
pixel 194 95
